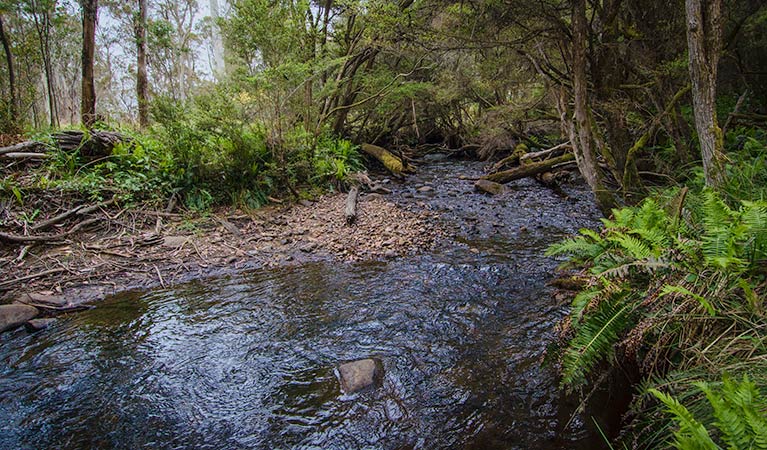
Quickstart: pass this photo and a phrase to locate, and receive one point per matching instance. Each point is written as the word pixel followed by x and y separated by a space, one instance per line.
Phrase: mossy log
pixel 392 163
pixel 528 170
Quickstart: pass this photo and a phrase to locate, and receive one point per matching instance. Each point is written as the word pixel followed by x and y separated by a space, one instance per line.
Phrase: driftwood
pixel 392 163
pixel 528 170
pixel 553 151
pixel 351 205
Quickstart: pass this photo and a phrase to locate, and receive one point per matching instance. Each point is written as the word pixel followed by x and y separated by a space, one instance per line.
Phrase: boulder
pixel 38 324
pixel 489 186
pixel 357 375
pixel 15 315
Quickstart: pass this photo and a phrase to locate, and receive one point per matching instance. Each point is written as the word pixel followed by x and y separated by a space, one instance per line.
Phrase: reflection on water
pixel 247 361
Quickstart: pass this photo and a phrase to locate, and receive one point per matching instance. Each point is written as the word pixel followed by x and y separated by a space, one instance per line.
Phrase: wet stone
pixel 35 325
pixel 489 187
pixel 34 298
pixel 15 315
pixel 357 375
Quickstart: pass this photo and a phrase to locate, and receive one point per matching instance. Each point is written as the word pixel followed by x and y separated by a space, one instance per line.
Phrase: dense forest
pixel 660 107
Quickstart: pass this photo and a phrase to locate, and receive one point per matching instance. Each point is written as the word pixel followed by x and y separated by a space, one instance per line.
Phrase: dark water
pixel 247 361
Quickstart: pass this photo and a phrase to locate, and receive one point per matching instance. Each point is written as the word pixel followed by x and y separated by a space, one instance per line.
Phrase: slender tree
pixel 704 41
pixel 583 143
pixel 88 104
pixel 41 13
pixel 11 73
pixel 142 84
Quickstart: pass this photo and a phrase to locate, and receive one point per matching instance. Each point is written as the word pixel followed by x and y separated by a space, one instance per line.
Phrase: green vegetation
pixel 676 289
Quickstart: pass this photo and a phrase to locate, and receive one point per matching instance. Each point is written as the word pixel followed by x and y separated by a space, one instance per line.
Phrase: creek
pixel 247 360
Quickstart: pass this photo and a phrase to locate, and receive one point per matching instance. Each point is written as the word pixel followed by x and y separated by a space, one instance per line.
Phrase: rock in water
pixel 358 375
pixel 38 324
pixel 12 316
pixel 489 186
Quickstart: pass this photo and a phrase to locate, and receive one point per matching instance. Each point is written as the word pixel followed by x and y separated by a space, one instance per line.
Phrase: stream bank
pixel 246 360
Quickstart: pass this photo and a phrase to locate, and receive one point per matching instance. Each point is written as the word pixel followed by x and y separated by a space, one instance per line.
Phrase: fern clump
pixel 737 417
pixel 675 289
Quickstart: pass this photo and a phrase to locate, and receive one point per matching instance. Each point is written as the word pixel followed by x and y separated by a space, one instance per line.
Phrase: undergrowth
pixel 675 288
pixel 207 151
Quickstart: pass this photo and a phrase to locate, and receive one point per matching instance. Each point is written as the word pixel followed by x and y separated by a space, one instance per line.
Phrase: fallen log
pixel 92 145
pixel 95 144
pixel 392 163
pixel 555 151
pixel 22 147
pixel 528 170
pixel 351 205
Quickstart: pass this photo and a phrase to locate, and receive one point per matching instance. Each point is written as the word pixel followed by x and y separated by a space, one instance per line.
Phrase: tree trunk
pixel 583 141
pixel 43 32
pixel 88 104
pixel 142 84
pixel 11 73
pixel 219 63
pixel 704 38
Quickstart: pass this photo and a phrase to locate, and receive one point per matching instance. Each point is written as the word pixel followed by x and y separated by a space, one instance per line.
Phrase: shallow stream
pixel 246 361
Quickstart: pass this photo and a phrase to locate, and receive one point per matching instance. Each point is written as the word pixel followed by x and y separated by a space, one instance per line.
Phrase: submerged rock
pixel 15 315
pixel 357 375
pixel 38 324
pixel 489 186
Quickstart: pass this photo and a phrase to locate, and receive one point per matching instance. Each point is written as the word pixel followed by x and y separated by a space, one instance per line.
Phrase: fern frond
pixel 691 434
pixel 594 340
pixel 669 289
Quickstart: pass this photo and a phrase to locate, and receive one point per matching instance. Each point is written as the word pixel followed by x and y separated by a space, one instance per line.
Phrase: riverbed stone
pixel 15 315
pixel 489 186
pixel 357 375
pixel 174 242
pixel 43 300
pixel 35 325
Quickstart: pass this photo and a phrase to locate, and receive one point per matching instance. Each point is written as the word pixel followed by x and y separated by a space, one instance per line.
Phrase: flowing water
pixel 247 360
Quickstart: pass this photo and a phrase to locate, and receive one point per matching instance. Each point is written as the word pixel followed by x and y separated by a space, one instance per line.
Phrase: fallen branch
pixel 22 147
pixel 16 239
pixel 20 155
pixel 528 170
pixel 80 211
pixel 351 205
pixel 5 284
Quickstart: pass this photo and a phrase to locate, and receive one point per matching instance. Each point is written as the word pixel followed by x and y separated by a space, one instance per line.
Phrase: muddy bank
pixel 140 249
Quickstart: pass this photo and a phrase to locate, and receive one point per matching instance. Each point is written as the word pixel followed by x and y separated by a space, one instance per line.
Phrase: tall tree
pixel 142 84
pixel 41 13
pixel 11 73
pixel 583 143
pixel 88 104
pixel 704 41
